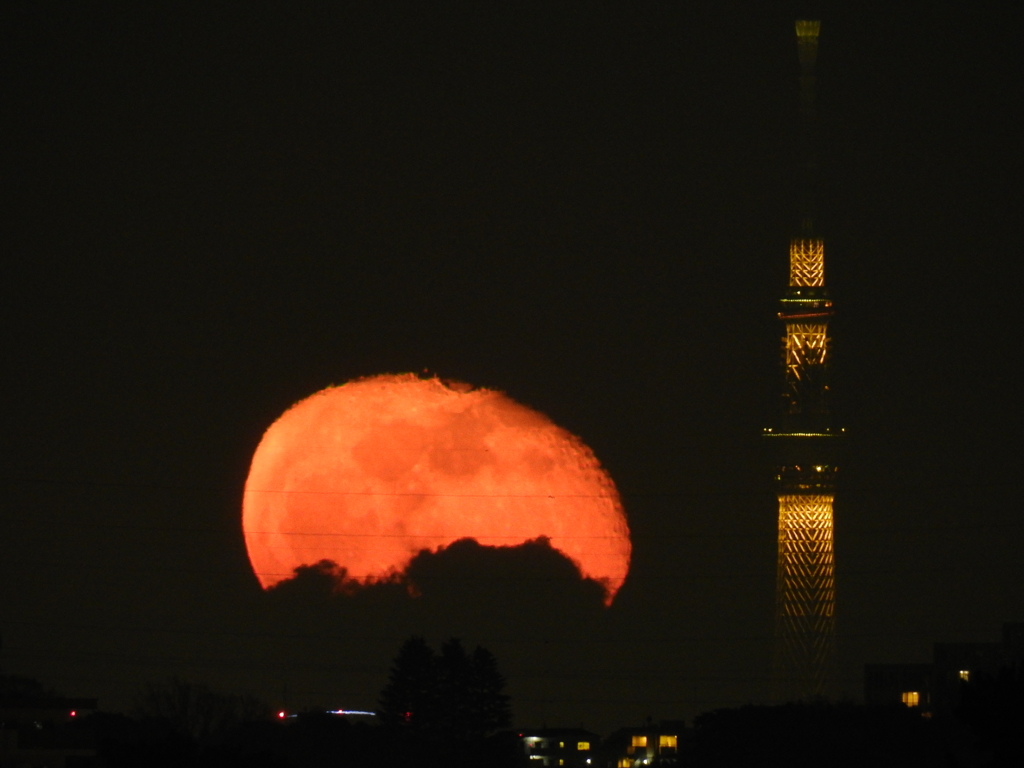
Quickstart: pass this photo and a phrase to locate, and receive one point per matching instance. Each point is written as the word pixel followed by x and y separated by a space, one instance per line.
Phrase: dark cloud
pixel 513 600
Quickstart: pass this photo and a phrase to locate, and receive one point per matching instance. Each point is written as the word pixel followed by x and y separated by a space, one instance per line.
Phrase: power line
pixel 1016 522
pixel 705 491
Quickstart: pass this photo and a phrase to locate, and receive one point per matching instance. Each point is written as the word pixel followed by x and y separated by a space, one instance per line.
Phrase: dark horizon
pixel 211 215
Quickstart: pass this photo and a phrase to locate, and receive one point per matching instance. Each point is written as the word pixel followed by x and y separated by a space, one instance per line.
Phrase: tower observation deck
pixel 803 440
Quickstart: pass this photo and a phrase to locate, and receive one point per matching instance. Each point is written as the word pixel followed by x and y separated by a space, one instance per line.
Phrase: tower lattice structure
pixel 804 440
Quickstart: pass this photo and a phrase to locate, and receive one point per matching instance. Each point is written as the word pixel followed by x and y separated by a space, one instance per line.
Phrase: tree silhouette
pixel 467 590
pixel 451 695
pixel 454 680
pixel 488 702
pixel 195 710
pixel 408 700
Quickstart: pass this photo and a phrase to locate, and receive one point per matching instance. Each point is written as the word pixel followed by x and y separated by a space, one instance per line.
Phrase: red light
pixel 281 714
pixel 73 713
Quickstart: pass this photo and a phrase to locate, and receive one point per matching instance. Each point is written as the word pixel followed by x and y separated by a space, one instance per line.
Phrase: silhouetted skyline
pixel 211 213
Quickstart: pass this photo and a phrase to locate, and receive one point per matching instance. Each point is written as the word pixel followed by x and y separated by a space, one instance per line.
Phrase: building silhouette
pixel 936 687
pixel 803 439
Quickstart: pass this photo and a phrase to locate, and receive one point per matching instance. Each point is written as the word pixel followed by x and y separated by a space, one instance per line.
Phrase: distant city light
pixel 350 712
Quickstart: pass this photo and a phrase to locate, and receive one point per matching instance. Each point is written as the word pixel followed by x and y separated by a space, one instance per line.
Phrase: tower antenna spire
pixel 807 49
pixel 804 439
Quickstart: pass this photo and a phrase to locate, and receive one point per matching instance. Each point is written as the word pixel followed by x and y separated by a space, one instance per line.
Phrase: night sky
pixel 211 212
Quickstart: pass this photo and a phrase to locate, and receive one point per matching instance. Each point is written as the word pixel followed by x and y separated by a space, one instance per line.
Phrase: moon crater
pixel 370 473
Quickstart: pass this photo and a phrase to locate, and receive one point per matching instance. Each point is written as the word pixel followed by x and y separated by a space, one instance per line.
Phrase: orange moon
pixel 370 473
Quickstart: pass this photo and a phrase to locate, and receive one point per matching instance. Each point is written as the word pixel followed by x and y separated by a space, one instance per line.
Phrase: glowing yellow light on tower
pixel 807 28
pixel 807 262
pixel 806 344
pixel 805 542
pixel 806 599
pixel 807 41
pixel 911 698
pixel 805 620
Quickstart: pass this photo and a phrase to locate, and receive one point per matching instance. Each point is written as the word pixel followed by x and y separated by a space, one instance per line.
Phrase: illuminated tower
pixel 803 440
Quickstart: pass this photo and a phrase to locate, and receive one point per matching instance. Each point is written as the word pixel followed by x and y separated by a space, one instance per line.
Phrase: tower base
pixel 805 601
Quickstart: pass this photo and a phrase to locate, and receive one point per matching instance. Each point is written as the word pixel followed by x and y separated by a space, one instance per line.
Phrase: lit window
pixel 965 675
pixel 561 745
pixel 561 762
pixel 911 698
pixel 583 746
pixel 625 762
pixel 639 741
pixel 668 742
